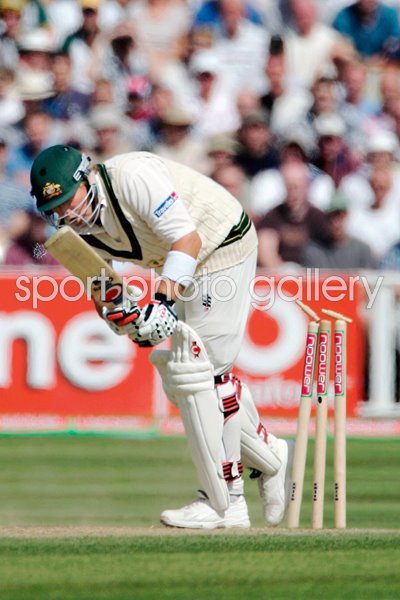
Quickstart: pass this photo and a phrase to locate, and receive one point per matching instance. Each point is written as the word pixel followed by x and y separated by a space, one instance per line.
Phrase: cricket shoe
pixel 199 514
pixel 275 489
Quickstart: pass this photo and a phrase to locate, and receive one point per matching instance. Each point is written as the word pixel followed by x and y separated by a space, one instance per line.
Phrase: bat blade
pixel 99 278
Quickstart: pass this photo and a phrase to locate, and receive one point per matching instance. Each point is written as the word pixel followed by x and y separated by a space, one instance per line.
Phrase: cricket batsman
pixel 165 216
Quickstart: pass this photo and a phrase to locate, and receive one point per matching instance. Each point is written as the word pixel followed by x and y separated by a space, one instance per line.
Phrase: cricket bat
pixel 105 286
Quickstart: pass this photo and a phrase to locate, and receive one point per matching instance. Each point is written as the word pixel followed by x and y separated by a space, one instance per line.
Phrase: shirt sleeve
pixel 149 191
pixel 339 22
pixel 392 21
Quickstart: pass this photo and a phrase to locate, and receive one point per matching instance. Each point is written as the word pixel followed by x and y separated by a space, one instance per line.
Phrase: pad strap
pixel 232 470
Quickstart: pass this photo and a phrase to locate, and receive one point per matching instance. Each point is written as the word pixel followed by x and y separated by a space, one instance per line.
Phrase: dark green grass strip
pixel 201 567
pixel 286 542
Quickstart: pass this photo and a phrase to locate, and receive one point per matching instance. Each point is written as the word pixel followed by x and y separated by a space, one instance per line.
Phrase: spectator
pixel 391 259
pixel 33 87
pixel 110 138
pixel 27 246
pixel 268 187
pixel 334 156
pixel 161 100
pixel 325 94
pixel 286 229
pixel 310 46
pixel 38 135
pixel 341 251
pixel 64 18
pixel 123 61
pixel 286 105
pixel 233 179
pixel 113 13
pixel 389 90
pixel 10 13
pixel 13 200
pixel 372 27
pixel 216 110
pixel 275 70
pixel 11 107
pixel 242 49
pixel 34 15
pixel 354 81
pixel 86 47
pixel 200 38
pixel 381 152
pixel 247 102
pixel 378 224
pixel 356 106
pixel 177 75
pixel 221 151
pixel 327 101
pixel 139 91
pixel 159 27
pixel 140 113
pixel 178 143
pixel 35 48
pixel 257 151
pixel 209 15
pixel 66 102
pixel 103 92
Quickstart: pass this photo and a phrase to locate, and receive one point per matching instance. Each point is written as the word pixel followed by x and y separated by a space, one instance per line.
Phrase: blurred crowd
pixel 292 105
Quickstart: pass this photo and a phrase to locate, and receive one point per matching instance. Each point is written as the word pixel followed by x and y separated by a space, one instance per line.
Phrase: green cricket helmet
pixel 56 174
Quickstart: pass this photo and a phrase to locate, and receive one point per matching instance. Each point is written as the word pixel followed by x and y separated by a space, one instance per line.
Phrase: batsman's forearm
pixel 170 289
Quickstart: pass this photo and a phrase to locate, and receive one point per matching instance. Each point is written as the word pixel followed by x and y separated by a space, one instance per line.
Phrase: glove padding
pixel 156 322
pixel 121 319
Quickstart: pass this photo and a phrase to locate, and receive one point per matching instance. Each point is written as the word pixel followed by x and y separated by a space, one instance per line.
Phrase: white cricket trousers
pixel 216 306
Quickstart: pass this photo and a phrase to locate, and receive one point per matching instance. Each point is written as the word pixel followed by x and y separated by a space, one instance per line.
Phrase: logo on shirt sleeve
pixel 165 205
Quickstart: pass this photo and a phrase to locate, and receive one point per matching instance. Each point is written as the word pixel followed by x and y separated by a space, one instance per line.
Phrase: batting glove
pixel 156 322
pixel 121 319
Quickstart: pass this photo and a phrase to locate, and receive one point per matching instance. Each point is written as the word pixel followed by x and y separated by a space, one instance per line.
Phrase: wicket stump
pixel 319 344
pixel 339 440
pixel 321 424
pixel 303 420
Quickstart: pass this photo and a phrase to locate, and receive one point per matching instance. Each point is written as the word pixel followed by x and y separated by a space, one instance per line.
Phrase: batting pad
pixel 188 381
pixel 256 454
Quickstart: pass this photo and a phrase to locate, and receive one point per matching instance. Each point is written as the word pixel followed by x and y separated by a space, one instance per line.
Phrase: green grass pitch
pixel 79 520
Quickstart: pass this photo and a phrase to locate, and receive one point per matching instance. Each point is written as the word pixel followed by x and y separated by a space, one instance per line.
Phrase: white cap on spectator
pixel 329 124
pixel 222 142
pixel 105 116
pixel 36 40
pixel 176 116
pixel 204 61
pixel 33 84
pixel 383 141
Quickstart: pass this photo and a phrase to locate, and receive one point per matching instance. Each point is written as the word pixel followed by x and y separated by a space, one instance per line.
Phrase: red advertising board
pixel 273 352
pixel 58 358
